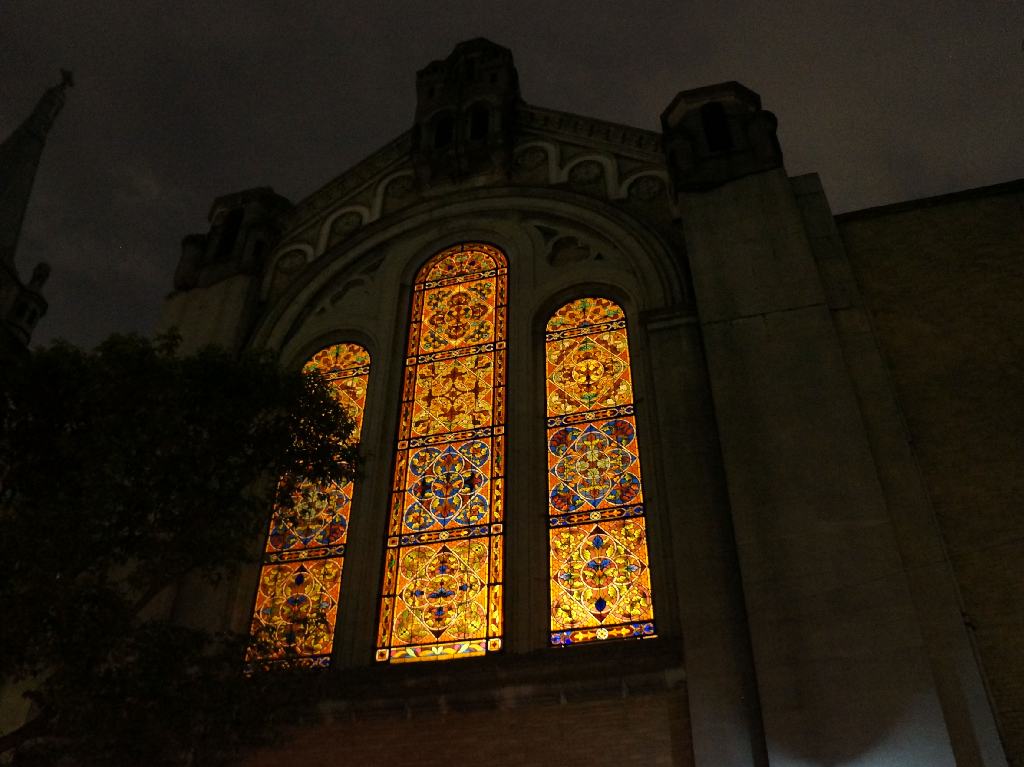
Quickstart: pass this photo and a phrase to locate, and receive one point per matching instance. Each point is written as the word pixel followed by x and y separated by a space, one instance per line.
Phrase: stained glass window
pixel 297 597
pixel 441 590
pixel 600 574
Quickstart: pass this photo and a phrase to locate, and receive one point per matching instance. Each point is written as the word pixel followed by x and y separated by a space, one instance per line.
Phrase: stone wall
pixel 944 281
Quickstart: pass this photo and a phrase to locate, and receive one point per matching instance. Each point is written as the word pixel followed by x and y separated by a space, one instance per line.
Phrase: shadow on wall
pixel 909 741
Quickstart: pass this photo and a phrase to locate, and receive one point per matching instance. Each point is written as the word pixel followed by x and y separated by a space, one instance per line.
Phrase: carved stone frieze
pixel 344 227
pixel 285 269
pixel 394 153
pixel 586 173
pixel 568 250
pixel 531 158
pixel 646 188
pixel 614 136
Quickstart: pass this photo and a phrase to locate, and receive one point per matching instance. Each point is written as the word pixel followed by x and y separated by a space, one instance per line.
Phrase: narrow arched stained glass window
pixel 600 573
pixel 297 597
pixel 441 589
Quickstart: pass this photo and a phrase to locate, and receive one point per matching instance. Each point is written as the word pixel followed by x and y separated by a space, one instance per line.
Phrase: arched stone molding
pixel 653 267
pixel 285 253
pixel 552 156
pixel 306 250
pixel 611 171
pixel 328 224
pixel 551 241
pixel 492 103
pixel 382 188
pixel 646 274
pixel 641 272
pixel 348 299
pixel 637 178
pixel 300 354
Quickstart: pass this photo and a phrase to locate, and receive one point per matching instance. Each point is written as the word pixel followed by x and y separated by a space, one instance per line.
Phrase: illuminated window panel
pixel 600 571
pixel 441 590
pixel 297 597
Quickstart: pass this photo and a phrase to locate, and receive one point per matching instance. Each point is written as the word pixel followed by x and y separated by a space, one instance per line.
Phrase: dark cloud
pixel 177 104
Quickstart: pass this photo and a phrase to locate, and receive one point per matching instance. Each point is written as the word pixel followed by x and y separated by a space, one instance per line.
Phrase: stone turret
pixel 242 225
pixel 717 134
pixel 217 279
pixel 22 305
pixel 465 109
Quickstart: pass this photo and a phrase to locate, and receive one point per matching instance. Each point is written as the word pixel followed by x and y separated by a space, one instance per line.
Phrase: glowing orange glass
pixel 441 592
pixel 297 598
pixel 600 572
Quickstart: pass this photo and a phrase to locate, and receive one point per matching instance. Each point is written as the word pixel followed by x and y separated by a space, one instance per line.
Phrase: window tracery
pixel 297 598
pixel 600 573
pixel 442 582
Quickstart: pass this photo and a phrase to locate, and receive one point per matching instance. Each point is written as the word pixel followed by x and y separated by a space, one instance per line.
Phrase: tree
pixel 122 471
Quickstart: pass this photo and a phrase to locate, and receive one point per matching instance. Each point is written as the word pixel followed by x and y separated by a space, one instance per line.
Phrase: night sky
pixel 178 103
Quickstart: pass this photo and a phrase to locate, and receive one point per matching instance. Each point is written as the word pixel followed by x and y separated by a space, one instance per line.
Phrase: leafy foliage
pixel 123 471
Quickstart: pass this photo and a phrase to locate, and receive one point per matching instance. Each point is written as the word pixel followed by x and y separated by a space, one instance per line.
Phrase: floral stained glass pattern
pixel 441 592
pixel 297 597
pixel 600 572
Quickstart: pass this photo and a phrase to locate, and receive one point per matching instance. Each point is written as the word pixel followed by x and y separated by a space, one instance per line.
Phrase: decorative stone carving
pixel 568 250
pixel 400 188
pixel 291 262
pixel 398 193
pixel 550 120
pixel 373 266
pixel 286 268
pixel 546 232
pixel 588 176
pixel 338 296
pixel 350 181
pixel 646 188
pixel 530 159
pixel 586 173
pixel 344 227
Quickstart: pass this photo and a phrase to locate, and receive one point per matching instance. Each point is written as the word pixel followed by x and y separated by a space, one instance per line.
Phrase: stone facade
pixel 809 610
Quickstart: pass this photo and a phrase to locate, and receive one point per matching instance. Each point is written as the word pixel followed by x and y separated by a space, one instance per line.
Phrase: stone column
pixel 841 673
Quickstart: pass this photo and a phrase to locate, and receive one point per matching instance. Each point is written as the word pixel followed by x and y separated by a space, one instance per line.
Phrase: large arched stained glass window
pixel 600 579
pixel 441 591
pixel 297 598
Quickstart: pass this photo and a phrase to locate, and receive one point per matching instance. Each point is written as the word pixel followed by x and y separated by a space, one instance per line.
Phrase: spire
pixel 19 159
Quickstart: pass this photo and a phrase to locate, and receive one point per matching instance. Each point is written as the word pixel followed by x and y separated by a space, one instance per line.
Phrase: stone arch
pixel 440 129
pixel 642 273
pixel 627 189
pixel 283 267
pixel 323 239
pixel 377 208
pixel 528 164
pixel 298 356
pixel 483 214
pixel 478 119
pixel 611 171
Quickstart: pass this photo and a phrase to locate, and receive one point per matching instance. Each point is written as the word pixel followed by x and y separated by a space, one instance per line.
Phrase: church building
pixel 664 463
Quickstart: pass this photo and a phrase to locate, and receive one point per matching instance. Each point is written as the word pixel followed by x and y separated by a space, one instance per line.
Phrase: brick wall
pixel 647 729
